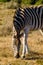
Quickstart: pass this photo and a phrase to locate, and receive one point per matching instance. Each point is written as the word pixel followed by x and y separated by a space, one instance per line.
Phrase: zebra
pixel 25 20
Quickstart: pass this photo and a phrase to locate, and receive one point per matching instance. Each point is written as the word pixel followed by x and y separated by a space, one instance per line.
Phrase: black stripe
pixel 16 20
pixel 27 16
pixel 26 12
pixel 19 20
pixel 39 9
pixel 36 11
pixel 17 24
pixel 32 10
pixel 22 19
pixel 29 10
pixel 19 15
pixel 42 18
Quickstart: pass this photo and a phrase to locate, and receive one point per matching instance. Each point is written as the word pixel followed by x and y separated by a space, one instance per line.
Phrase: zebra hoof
pixel 22 57
pixel 17 56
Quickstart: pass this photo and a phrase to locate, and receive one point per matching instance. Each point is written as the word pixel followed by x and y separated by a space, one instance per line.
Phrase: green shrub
pixel 39 2
pixel 5 0
pixel 33 1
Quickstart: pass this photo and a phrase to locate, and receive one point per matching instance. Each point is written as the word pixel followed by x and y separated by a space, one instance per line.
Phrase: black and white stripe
pixel 21 19
pixel 28 19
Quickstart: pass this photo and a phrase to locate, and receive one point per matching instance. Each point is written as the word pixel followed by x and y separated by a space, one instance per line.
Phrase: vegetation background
pixel 35 40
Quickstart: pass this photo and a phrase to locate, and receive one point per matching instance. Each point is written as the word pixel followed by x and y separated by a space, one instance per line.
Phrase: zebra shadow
pixel 34 55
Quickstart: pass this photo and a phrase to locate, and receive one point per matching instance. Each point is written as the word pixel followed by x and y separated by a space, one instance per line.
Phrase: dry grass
pixel 6 18
pixel 35 56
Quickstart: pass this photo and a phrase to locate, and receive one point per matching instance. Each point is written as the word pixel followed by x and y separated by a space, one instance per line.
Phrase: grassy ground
pixel 35 43
pixel 35 56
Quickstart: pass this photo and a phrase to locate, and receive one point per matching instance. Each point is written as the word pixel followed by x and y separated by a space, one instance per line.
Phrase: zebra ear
pixel 41 32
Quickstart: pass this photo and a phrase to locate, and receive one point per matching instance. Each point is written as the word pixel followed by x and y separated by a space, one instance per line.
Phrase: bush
pixel 39 2
pixel 5 0
pixel 33 1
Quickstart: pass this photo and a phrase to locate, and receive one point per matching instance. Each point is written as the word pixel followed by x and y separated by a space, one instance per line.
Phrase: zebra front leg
pixel 26 45
pixel 26 30
pixel 24 48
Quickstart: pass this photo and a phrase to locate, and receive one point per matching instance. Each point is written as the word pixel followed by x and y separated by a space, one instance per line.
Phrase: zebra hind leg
pixel 16 47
